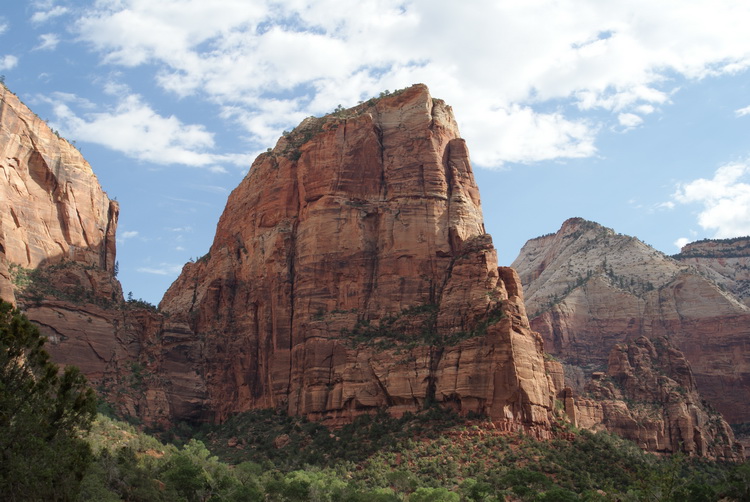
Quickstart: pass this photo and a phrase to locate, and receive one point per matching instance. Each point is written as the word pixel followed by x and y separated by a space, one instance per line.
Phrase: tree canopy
pixel 43 414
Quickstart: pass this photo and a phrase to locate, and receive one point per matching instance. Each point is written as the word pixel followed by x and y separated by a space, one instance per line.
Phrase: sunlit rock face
pixel 350 272
pixel 57 234
pixel 53 208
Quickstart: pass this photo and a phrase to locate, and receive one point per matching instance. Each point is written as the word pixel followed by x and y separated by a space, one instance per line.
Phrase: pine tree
pixel 43 414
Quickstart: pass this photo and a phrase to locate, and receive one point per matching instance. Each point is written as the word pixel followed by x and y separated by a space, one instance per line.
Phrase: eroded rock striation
pixel 589 289
pixel 351 272
pixel 648 395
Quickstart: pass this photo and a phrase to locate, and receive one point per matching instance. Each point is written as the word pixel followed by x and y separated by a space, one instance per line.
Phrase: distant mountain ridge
pixel 589 289
pixel 725 261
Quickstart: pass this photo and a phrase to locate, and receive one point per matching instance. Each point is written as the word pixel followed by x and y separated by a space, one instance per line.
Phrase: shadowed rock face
pixel 590 289
pixel 351 272
pixel 648 395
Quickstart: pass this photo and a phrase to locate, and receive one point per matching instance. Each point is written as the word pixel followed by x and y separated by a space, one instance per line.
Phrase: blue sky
pixel 634 114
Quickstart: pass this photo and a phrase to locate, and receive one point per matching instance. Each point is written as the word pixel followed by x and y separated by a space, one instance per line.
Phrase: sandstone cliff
pixel 648 395
pixel 590 289
pixel 58 258
pixel 53 208
pixel 351 272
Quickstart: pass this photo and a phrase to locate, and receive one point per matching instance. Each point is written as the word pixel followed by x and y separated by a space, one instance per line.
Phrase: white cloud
pixel 48 41
pixel 3 27
pixel 43 16
pixel 725 200
pixel 629 120
pixel 742 111
pixel 8 62
pixel 681 242
pixel 269 64
pixel 138 131
pixel 666 205
pixel 124 236
pixel 162 269
pixel 645 109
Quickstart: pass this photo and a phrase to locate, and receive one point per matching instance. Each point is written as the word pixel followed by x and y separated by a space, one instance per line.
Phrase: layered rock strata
pixel 648 395
pixel 351 272
pixel 590 289
pixel 725 261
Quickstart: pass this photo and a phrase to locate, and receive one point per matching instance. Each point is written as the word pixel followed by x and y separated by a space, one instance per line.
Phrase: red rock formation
pixel 590 289
pixel 649 395
pixel 351 272
pixel 53 207
pixel 57 261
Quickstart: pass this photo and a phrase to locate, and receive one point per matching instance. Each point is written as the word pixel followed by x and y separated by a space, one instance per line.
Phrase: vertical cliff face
pixel 590 289
pixel 57 254
pixel 351 272
pixel 53 207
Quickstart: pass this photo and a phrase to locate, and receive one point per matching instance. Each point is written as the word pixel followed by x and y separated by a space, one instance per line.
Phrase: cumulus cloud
pixel 135 129
pixel 268 64
pixel 742 111
pixel 8 62
pixel 724 200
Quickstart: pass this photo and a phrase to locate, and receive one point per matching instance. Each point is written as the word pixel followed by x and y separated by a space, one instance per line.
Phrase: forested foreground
pixel 431 457
pixel 54 446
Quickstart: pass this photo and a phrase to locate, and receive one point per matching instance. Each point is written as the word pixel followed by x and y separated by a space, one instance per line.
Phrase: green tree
pixel 425 494
pixel 43 414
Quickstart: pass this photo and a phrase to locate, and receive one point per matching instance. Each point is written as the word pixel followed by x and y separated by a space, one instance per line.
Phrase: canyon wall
pixel 53 208
pixel 58 262
pixel 648 395
pixel 350 273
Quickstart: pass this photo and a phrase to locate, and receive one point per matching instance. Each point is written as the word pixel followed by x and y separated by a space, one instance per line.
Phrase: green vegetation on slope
pixel 433 456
